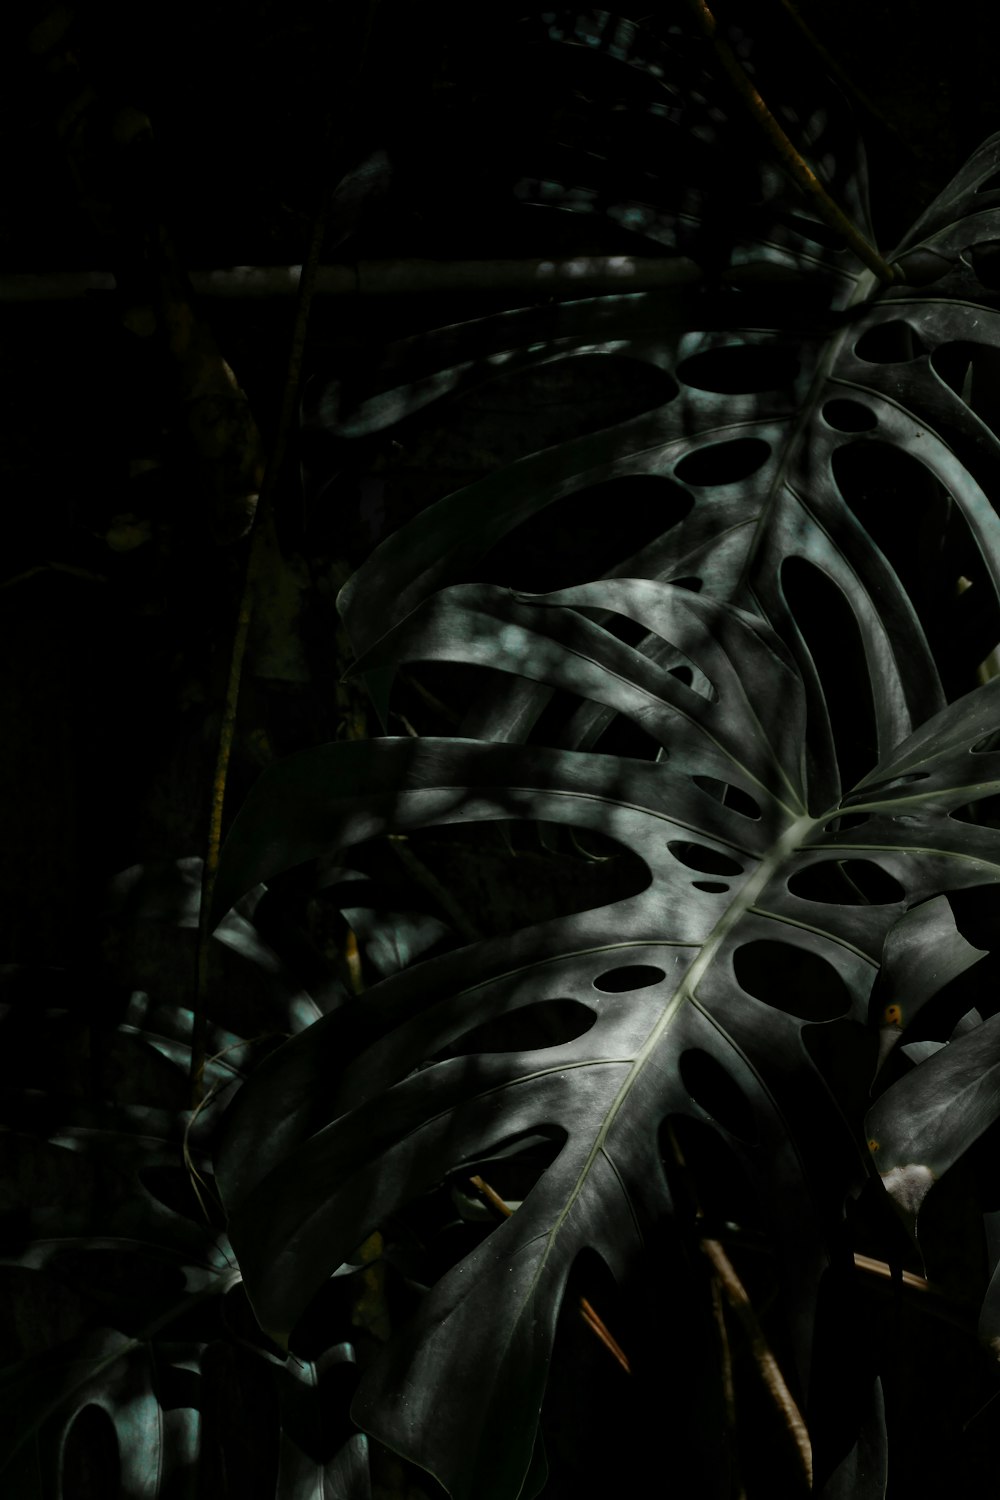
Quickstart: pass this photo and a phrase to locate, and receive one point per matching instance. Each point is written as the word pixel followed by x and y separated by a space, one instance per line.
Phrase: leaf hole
pixel 791 979
pixel 625 738
pixel 990 184
pixel 985 813
pixel 952 363
pixel 713 1180
pixel 847 882
pixel 890 343
pixel 987 743
pixel 985 261
pixel 730 796
pixel 709 1085
pixel 700 857
pixel 713 887
pixel 628 977
pixel 723 463
pixel 570 541
pixel 740 369
pixel 512 1170
pixel 692 677
pixel 934 548
pixel 91 1466
pixel 833 640
pixel 849 416
pixel 547 1023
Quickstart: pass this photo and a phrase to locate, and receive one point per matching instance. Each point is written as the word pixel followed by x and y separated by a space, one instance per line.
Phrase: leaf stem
pixel 796 165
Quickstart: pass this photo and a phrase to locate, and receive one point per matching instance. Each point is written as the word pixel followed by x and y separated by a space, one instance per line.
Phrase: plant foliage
pixel 796 643
pixel 756 676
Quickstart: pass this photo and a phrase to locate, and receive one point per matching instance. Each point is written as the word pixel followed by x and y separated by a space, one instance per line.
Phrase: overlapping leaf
pixel 784 442
pixel 741 940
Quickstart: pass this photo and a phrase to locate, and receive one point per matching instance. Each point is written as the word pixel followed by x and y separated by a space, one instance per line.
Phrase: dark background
pixel 113 661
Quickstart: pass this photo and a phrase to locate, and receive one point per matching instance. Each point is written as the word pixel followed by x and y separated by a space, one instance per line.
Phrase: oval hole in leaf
pixel 740 369
pixel 985 813
pixel 985 261
pixel 701 857
pixel 713 887
pixel 712 1170
pixel 624 738
pixel 572 540
pixel 730 796
pixel 929 553
pixel 709 1085
pixel 990 184
pixel 91 1465
pixel 889 344
pixel 832 637
pixel 693 678
pixel 849 416
pixel 987 744
pixel 547 1023
pixel 628 977
pixel 951 362
pixel 847 882
pixel 791 979
pixel 723 463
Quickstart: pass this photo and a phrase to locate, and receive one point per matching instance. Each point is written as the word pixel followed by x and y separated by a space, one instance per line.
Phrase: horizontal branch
pixel 572 276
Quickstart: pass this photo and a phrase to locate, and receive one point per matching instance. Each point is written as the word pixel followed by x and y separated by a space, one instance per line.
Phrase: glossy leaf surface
pixel 732 975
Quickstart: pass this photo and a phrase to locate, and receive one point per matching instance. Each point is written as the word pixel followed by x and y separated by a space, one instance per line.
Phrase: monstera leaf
pixel 777 440
pixel 762 924
pixel 800 575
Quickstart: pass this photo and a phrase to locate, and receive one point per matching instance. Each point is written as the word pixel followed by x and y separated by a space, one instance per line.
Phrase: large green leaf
pixel 747 937
pixel 823 582
pixel 781 447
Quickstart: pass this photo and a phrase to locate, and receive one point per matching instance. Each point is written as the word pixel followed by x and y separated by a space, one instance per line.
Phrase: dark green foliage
pixel 707 617
pixel 797 649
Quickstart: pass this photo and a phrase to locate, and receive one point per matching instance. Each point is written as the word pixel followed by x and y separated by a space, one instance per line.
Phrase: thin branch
pixel 883 1269
pixel 798 168
pixel 592 1319
pixel 728 1386
pixel 255 555
pixel 738 1298
pixel 538 278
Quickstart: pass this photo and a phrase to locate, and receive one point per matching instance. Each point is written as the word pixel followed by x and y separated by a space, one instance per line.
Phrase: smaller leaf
pixel 925 1122
pixel 923 952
